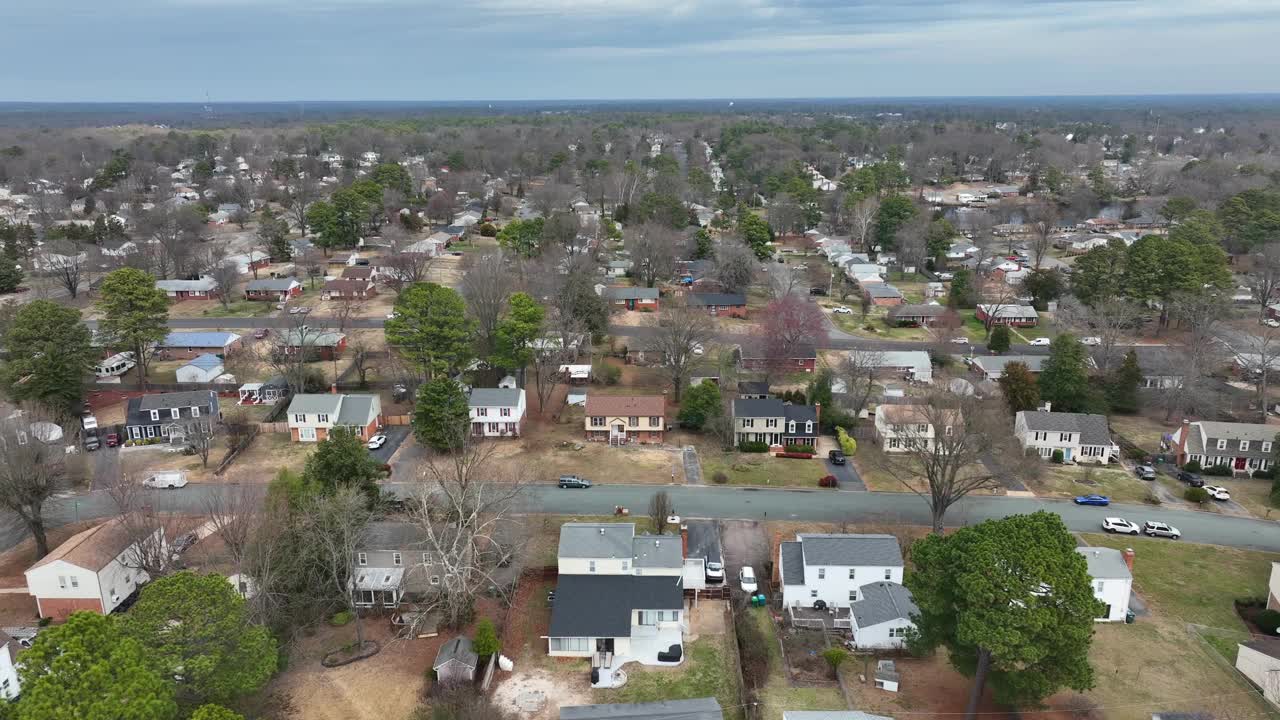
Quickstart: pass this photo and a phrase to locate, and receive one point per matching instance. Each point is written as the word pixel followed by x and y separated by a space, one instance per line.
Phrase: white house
pixel 496 412
pixel 1081 437
pixel 852 582
pixel 900 428
pixel 9 686
pixel 88 572
pixel 619 598
pixel 911 364
pixel 1259 660
pixel 1112 577
pixel 203 369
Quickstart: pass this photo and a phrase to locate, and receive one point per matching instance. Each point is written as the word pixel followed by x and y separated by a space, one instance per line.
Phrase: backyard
pixel 779 694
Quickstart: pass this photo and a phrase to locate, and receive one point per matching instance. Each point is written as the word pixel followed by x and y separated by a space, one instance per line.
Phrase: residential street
pixel 748 503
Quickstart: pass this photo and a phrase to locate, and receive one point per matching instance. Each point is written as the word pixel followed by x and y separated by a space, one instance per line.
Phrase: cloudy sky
pixel 171 50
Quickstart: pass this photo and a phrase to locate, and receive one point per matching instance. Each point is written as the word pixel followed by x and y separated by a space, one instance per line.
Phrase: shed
pixel 203 369
pixel 456 662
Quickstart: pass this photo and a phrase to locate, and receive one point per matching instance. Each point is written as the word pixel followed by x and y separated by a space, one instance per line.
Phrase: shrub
pixel 488 230
pixel 485 642
pixel 1057 457
pixel 607 374
pixel 1135 453
pixel 1193 466
pixel 847 443
pixel 835 657
pixel 1264 474
pixel 828 481
pixel 1195 494
pixel 646 309
pixel 1268 621
pixel 940 359
pixel 1222 470
pixel 799 449
pixel 719 478
pixel 795 455
pixel 753 447
pixel 1152 498
pixel 342 618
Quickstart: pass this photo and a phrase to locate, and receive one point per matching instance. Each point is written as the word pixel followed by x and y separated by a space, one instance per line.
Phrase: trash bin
pixel 1129 617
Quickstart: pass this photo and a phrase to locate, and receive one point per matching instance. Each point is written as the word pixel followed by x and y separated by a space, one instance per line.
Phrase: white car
pixel 698 349
pixel 1120 525
pixel 1217 492
pixel 673 520
pixel 377 441
pixel 946 276
pixel 1271 322
pixel 1040 342
pixel 842 310
pixel 747 580
pixel 960 340
pixel 167 479
pixel 715 572
pixel 1091 340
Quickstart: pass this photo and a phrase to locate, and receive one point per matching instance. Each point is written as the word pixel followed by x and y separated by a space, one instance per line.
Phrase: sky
pixel 284 50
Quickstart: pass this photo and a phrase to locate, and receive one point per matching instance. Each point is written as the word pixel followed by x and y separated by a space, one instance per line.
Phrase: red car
pixel 113 440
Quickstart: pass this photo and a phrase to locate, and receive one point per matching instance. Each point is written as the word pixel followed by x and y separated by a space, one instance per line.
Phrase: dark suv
pixel 836 457
pixel 573 481
pixel 1190 478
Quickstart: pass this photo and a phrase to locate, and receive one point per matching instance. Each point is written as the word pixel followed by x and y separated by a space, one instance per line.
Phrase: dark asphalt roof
pixel 704 540
pixel 850 550
pixel 458 649
pixel 758 407
pixel 165 401
pixel 792 556
pixel 1092 428
pixel 732 299
pixel 753 387
pixel 390 535
pixel 601 605
pixel 1265 645
pixel 693 709
pixel 882 602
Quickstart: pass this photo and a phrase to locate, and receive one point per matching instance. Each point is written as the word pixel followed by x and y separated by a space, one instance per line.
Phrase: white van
pixel 166 479
pixel 116 365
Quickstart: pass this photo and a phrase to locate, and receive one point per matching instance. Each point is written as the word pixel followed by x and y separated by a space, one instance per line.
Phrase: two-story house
pixel 1081 437
pixel 94 569
pixel 849 582
pixel 619 598
pixel 1111 573
pixel 10 687
pixel 171 415
pixel 312 416
pixel 774 422
pixel 496 412
pixel 393 565
pixel 623 419
pixel 1245 447
pixel 900 428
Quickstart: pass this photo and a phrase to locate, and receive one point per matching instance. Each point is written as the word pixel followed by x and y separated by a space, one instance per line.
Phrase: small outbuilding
pixel 456 662
pixel 203 369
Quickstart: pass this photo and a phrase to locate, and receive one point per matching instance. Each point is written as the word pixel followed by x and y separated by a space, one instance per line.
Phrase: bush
pixel 488 230
pixel 646 309
pixel 1264 474
pixel 1195 494
pixel 1222 470
pixel 1135 453
pixel 1056 459
pixel 847 443
pixel 753 447
pixel 1193 466
pixel 1152 498
pixel 828 481
pixel 799 449
pixel 795 455
pixel 940 359
pixel 607 374
pixel 719 478
pixel 1268 621
pixel 342 618
pixel 485 643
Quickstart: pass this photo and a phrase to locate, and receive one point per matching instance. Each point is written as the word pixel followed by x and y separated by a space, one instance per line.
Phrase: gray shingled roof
pixel 597 540
pixel 356 410
pixel 995 364
pixel 271 284
pixel 631 293
pixel 881 602
pixel 494 397
pixel 658 551
pixel 850 550
pixel 1105 563
pixel 314 403
pixel 758 407
pixel 458 649
pixel 1092 428
pixel 165 401
pixel 601 605
pixel 389 535
pixel 693 709
pixel 704 299
pixel 792 556
pixel 704 540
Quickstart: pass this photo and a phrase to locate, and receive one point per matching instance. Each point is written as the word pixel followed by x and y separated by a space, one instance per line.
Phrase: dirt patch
pixel 928 686
pixel 709 617
pixel 520 691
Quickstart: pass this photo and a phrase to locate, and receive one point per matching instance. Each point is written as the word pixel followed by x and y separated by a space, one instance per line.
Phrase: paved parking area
pixel 744 543
pixel 395 436
pixel 692 468
pixel 846 474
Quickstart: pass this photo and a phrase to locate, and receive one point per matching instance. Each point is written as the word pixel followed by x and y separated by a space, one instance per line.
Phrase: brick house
pixel 323 345
pixel 178 290
pixel 272 289
pixel 88 572
pixel 882 294
pixel 918 315
pixel 623 419
pixel 720 304
pixel 312 416
pixel 632 298
pixel 190 345
pixel 1014 315
pixel 359 272
pixel 803 358
pixel 349 289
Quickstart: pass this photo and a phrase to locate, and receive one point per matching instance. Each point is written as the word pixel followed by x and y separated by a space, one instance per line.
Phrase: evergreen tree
pixel 1123 385
pixel 1064 380
pixel 442 417
pixel 961 294
pixel 1019 387
pixel 1000 340
pixel 701 404
pixel 341 460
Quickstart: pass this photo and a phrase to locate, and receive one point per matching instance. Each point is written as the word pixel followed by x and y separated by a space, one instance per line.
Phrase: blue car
pixel 1100 500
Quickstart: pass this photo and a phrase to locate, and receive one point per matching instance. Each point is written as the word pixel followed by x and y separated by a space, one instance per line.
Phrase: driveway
pixel 744 543
pixel 692 468
pixel 395 436
pixel 847 474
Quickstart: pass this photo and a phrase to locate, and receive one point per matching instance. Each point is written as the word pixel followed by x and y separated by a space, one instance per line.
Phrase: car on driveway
pixel 1271 322
pixel 837 457
pixel 573 481
pixel 960 340
pixel 1099 500
pixel 1120 525
pixel 1217 492
pixel 1159 529
pixel 1145 472
pixel 377 441
pixel 1190 478
pixel 1040 342
pixel 747 579
pixel 842 310
pixel 715 572
pixel 1091 340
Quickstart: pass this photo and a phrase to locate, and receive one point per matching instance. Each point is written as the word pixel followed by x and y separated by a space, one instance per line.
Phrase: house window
pixel 887 573
pixel 922 428
pixel 155 414
pixel 808 427
pixel 597 422
pixel 947 431
pixel 898 632
pixel 505 412
pixel 1097 586
pixel 791 427
pixel 822 573
pixel 813 593
pixel 1244 445
pixel 1266 447
pixel 299 418
pixel 195 411
pixel 174 414
pixel 749 422
pixel 633 421
pixel 1222 444
pixel 625 564
pixel 591 566
pixel 62 582
pixel 482 412
pixel 75 581
pixel 22 438
pixel 853 596
pixel 493 427
pixel 395 559
pixel 151 431
pixel 426 558
pixel 322 418
pixel 1064 437
pixel 852 574
pixel 654 421
pixel 771 423
pixel 893 443
pixel 435 579
pixel 362 559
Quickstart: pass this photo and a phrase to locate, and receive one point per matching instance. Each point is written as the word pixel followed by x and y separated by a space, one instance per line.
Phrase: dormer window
pixel 1222 444
pixel 195 411
pixel 155 414
pixel 808 427
pixel 1266 447
pixel 362 559
pixel 1244 446
pixel 791 426
pixel 174 414
pixel 396 559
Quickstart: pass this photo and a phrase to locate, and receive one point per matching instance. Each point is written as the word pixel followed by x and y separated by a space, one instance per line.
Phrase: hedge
pixel 1264 474
pixel 1222 470
pixel 1196 494
pixel 847 444
pixel 753 447
pixel 799 449
pixel 796 456
pixel 828 481
pixel 1192 466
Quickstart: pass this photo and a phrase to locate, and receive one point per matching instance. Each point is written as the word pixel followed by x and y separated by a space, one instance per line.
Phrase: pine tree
pixel 1123 385
pixel 1000 340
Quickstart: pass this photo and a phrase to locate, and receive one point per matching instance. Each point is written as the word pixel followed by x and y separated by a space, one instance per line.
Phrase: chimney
pixel 333 389
pixel 1181 457
pixel 1128 558
pixel 1046 407
pixel 684 542
pixel 817 411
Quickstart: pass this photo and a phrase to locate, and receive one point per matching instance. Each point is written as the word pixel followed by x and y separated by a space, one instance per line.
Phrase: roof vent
pixel 601 531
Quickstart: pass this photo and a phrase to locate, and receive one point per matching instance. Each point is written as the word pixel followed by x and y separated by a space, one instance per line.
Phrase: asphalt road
pixel 710 501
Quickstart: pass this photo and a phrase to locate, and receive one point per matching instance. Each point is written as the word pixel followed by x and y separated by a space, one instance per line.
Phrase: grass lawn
pixel 709 669
pixel 875 477
pixel 779 695
pixel 973 327
pixel 760 469
pixel 1253 494
pixel 242 308
pixel 1143 431
pixel 1073 480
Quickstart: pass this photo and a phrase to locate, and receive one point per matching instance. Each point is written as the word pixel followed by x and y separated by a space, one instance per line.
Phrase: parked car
pixel 1099 500
pixel 817 291
pixel 1120 525
pixel 1040 342
pixel 1145 472
pixel 842 310
pixel 715 572
pixel 183 543
pixel 1217 492
pixel 1190 478
pixel 299 310
pixel 113 439
pixel 1159 529
pixel 673 520
pixel 573 481
pixel 169 479
pixel 747 579
pixel 261 333
pixel 377 441
pixel 960 340
pixel 1271 322
pixel 1091 340
pixel 946 276
pixel 837 457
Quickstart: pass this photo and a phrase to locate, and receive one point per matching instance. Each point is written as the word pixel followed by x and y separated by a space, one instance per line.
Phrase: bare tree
pixel 466 505
pixel 31 472
pixel 1042 218
pixel 290 349
pixel 486 287
pixel 862 221
pixel 660 508
pixel 784 280
pixel 200 438
pixel 301 192
pixel 1258 354
pixel 177 232
pixel 681 337
pixel 939 446
pixel 1111 321
pixel 859 371
pixel 791 325
pixel 1264 277
pixel 404 267
pixel 148 534
pixel 551 198
pixel 66 263
pixel 735 267
pixel 334 525
pixel 1197 354
pixel 653 252
pixel 225 275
